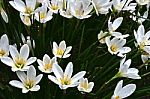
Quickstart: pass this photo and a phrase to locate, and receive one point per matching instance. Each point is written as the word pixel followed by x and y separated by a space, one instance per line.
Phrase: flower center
pixel 54 7
pixel 60 52
pixel 19 62
pixel 65 80
pixel 29 84
pixel 29 10
pixel 48 66
pixel 114 48
pixel 42 15
pixel 84 85
pixel 117 97
pixel 2 52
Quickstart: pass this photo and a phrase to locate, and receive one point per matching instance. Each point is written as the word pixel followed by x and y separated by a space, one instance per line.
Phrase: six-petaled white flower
pixel 43 15
pixel 64 79
pixel 47 64
pixel 28 82
pixel 81 8
pixel 125 71
pixel 61 51
pixel 19 61
pixel 115 46
pixel 85 86
pixel 123 92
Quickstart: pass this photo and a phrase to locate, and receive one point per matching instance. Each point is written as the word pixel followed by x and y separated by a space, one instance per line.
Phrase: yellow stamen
pixel 2 52
pixel 29 10
pixel 65 80
pixel 42 15
pixel 117 97
pixel 54 7
pixel 19 62
pixel 60 52
pixel 114 48
pixel 29 84
pixel 48 66
pixel 84 85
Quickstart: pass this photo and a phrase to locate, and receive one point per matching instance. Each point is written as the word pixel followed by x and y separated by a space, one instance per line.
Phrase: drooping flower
pixel 28 82
pixel 61 51
pixel 19 61
pixel 4 46
pixel 64 79
pixel 115 46
pixel 28 40
pixel 125 71
pixel 123 92
pixel 43 15
pixel 47 64
pixel 81 8
pixel 101 6
pixel 85 86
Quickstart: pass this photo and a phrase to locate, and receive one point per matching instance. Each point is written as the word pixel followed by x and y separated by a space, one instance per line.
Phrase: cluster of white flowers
pixel 43 11
pixel 20 63
pixel 81 9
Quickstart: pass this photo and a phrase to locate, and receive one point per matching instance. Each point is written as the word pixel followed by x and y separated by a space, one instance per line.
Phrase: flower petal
pixel 127 90
pixel 21 75
pixel 8 61
pixel 16 83
pixel 31 73
pixel 30 60
pixel 69 70
pixel 38 78
pixel 78 76
pixel 24 51
pixel 57 71
pixel 53 79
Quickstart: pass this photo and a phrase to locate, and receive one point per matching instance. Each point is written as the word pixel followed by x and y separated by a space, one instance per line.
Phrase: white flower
pixel 4 15
pixel 115 46
pixel 81 8
pixel 66 13
pixel 26 8
pixel 47 64
pixel 142 39
pixel 102 37
pixel 19 61
pixel 145 56
pixel 61 51
pixel 4 46
pixel 123 92
pixel 113 26
pixel 84 86
pixel 55 5
pixel 43 15
pixel 28 82
pixel 101 6
pixel 143 2
pixel 125 71
pixel 64 79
